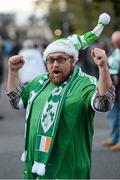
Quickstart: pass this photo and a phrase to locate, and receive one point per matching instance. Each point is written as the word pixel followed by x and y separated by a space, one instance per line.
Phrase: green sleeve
pixel 89 88
pixel 27 89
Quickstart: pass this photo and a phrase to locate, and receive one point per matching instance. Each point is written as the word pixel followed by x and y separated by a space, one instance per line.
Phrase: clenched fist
pixel 99 57
pixel 15 63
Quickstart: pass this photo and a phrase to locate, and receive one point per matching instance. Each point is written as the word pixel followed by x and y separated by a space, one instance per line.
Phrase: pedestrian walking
pixel 60 107
pixel 1 69
pixel 113 115
pixel 34 64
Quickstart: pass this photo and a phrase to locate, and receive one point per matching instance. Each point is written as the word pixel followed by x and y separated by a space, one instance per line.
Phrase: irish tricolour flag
pixel 45 142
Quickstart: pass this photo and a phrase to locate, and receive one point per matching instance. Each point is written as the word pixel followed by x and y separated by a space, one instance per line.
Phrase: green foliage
pixel 81 15
pixel 73 15
pixel 55 20
pixel 116 11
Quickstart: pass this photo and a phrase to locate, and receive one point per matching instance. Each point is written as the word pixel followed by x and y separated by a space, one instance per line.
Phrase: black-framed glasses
pixel 60 60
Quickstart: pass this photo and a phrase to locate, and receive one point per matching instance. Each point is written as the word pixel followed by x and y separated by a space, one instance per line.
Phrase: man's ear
pixel 74 63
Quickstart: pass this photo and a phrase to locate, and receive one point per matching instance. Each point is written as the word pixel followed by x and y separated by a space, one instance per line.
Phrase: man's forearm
pixel 13 81
pixel 105 81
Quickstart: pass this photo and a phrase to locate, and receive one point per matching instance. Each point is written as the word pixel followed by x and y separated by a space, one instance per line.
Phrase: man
pixel 114 114
pixel 60 108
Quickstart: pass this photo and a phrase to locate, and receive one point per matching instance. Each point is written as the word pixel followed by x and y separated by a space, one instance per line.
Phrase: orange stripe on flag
pixel 47 144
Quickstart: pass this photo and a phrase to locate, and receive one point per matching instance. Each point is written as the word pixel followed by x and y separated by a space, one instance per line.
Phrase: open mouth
pixel 56 72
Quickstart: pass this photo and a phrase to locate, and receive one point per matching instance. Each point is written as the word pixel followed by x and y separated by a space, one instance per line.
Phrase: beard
pixel 58 78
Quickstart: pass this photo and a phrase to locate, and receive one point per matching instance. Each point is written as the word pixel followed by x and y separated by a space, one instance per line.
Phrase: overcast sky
pixel 15 5
pixel 22 8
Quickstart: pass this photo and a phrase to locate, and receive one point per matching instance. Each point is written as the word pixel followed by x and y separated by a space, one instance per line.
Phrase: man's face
pixel 60 66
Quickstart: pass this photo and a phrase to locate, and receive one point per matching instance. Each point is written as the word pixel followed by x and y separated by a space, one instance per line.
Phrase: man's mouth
pixel 56 73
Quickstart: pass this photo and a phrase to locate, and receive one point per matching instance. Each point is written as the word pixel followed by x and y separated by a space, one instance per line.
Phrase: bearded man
pixel 60 107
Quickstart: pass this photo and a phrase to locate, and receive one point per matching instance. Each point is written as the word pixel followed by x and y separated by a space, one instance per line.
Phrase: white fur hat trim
pixel 61 45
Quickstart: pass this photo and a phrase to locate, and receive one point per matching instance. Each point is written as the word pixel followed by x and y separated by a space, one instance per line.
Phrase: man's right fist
pixel 15 63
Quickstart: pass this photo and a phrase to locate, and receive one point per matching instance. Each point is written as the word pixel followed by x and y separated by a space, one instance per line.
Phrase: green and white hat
pixel 62 45
pixel 72 44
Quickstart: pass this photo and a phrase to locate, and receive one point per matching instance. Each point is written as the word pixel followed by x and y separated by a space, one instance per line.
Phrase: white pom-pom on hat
pixel 104 18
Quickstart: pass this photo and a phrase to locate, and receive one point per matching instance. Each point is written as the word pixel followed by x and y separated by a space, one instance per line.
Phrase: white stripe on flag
pixel 42 143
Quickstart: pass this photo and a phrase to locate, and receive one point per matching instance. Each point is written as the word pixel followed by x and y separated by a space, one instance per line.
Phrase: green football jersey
pixel 74 160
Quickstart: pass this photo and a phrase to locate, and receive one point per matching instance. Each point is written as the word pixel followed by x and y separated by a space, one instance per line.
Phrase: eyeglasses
pixel 60 60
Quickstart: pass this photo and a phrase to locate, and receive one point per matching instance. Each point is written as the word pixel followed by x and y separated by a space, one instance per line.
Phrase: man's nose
pixel 56 63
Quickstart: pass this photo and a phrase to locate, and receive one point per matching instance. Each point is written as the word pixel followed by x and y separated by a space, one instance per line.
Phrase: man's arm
pixel 14 64
pixel 14 89
pixel 100 58
pixel 104 97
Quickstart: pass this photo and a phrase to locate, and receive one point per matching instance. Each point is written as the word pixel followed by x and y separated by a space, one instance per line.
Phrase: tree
pixel 76 16
pixel 116 11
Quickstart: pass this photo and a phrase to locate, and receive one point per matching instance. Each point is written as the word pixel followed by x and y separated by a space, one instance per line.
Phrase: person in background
pixel 1 69
pixel 113 115
pixel 60 107
pixel 34 64
pixel 1 61
pixel 15 49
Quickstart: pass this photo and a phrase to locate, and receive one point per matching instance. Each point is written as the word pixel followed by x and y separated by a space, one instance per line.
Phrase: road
pixel 106 164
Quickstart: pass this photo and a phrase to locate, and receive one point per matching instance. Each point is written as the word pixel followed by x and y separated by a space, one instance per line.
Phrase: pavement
pixel 106 163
